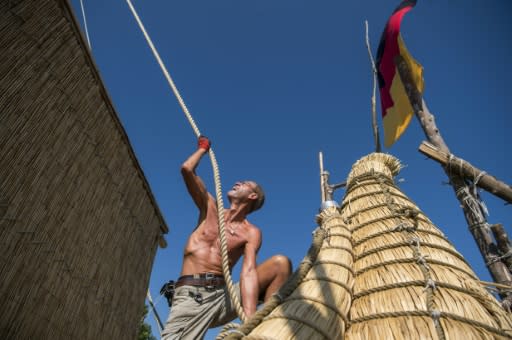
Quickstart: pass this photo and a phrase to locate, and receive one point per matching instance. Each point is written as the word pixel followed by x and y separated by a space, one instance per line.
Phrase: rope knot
pixel 399 227
pixel 484 225
pixel 507 254
pixel 412 213
pixel 436 315
pixel 415 241
pixel 422 259
pixel 403 227
pixel 430 284
pixel 492 259
pixel 507 305
pixel 463 191
pixel 477 178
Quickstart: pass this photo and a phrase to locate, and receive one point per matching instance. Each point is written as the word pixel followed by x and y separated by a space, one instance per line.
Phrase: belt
pixel 206 280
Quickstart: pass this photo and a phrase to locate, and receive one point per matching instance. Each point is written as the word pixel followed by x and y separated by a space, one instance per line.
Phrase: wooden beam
pixel 483 180
pixel 470 204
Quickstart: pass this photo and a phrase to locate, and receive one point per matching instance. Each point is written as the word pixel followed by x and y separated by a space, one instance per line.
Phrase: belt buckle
pixel 210 281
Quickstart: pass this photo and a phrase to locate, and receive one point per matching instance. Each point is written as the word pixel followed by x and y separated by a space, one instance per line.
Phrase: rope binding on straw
pixel 406 213
pixel 319 236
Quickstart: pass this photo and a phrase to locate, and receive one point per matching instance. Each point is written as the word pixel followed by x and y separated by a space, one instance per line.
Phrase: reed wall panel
pixel 79 226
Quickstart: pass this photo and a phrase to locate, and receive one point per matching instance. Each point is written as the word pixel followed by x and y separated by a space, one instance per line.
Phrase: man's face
pixel 242 190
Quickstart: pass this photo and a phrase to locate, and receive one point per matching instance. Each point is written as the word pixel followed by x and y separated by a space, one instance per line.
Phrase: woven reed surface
pixel 410 282
pixel 318 307
pixel 78 224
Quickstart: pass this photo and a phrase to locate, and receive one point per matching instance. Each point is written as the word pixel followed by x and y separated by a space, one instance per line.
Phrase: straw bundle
pixel 410 282
pixel 318 307
pixel 79 226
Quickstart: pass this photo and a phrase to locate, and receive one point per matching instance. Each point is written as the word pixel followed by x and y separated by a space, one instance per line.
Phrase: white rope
pixel 85 24
pixel 164 70
pixel 477 178
pixel 218 190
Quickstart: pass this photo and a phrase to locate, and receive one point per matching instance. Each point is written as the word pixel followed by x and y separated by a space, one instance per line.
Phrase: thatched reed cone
pixel 410 282
pixel 318 307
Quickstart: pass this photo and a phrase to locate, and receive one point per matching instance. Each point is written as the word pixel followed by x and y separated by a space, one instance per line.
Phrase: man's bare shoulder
pixel 252 227
pixel 254 233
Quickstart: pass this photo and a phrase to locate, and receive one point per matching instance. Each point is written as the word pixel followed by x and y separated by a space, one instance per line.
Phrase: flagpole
pixel 469 201
pixel 373 100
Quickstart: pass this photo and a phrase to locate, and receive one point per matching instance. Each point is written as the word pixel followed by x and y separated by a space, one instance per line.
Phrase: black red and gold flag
pixel 396 107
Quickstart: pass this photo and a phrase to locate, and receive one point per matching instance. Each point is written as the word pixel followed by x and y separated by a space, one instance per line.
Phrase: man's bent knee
pixel 282 264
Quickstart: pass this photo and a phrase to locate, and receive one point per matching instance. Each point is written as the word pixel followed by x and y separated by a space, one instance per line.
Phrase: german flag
pixel 396 107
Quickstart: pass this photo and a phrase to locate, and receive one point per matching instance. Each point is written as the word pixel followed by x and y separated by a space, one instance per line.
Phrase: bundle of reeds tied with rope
pixel 315 301
pixel 383 271
pixel 409 281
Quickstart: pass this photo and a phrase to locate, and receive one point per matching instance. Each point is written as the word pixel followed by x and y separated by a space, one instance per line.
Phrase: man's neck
pixel 235 214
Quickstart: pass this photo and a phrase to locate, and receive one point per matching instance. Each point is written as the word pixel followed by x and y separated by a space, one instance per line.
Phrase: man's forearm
pixel 191 163
pixel 249 290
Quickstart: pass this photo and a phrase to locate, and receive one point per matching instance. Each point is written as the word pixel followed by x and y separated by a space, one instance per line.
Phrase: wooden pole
pixel 155 313
pixel 470 204
pixel 322 176
pixel 375 126
pixel 479 177
pixel 503 244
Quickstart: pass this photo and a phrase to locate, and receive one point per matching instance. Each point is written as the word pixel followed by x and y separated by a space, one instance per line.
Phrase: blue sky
pixel 272 83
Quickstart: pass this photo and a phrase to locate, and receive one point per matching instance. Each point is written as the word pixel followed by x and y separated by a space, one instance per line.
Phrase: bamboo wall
pixel 79 227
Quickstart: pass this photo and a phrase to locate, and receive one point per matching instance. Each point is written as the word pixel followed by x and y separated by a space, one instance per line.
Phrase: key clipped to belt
pixel 167 290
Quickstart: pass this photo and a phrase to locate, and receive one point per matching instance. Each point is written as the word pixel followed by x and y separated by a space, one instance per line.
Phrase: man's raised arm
pixel 195 185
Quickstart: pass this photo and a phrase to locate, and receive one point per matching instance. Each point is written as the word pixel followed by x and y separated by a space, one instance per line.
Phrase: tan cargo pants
pixel 195 309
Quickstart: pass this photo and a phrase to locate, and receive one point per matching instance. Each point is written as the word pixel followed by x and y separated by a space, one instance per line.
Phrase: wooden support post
pixel 323 175
pixel 155 313
pixel 479 177
pixel 503 244
pixel 470 204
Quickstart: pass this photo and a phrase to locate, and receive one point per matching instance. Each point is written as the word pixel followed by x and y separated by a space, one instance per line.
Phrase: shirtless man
pixel 201 299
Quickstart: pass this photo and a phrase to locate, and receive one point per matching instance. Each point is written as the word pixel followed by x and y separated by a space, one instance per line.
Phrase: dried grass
pixel 78 223
pixel 393 271
pixel 318 308
pixel 405 268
